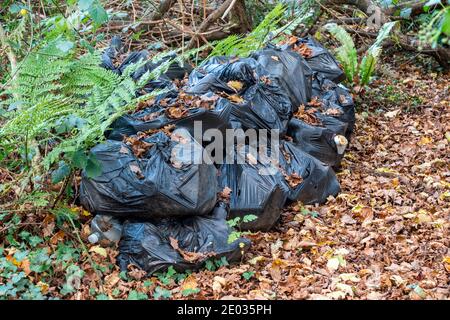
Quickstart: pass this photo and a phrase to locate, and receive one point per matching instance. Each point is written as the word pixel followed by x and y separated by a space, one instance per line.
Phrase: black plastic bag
pixel 337 102
pixel 321 60
pixel 305 178
pixel 164 182
pixel 260 103
pixel 291 71
pixel 175 70
pixel 153 245
pixel 321 143
pixel 156 116
pixel 256 189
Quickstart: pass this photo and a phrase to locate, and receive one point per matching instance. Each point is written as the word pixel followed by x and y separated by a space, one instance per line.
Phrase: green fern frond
pixel 370 59
pixel 70 100
pixel 346 53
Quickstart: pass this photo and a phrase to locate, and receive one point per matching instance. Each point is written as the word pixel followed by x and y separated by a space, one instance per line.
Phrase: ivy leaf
pixel 135 295
pixel 247 275
pixel 162 293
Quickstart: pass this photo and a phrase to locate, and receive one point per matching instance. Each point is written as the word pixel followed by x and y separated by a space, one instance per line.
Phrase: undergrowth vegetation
pixel 57 102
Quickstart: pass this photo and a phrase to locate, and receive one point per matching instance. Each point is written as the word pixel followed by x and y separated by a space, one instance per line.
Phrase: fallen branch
pixel 208 22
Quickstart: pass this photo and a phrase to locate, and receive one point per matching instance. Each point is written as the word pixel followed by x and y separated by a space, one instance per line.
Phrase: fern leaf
pixel 372 55
pixel 346 53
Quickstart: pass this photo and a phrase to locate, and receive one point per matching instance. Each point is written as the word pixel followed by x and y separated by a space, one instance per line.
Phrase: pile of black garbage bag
pixel 174 209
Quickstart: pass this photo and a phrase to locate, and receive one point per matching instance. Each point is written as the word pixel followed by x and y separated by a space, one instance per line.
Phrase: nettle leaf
pixel 62 172
pixel 233 222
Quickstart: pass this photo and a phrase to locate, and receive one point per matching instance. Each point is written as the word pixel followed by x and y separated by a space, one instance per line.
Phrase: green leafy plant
pixel 248 275
pixel 190 292
pixel 136 295
pixel 61 104
pixel 358 73
pixel 435 30
pixel 235 225
pixel 162 293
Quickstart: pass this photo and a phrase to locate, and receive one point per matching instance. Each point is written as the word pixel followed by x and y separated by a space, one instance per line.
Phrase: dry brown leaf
pixel 333 112
pixel 303 49
pixel 308 116
pixel 236 99
pixel 225 194
pixel 189 256
pixel 235 85
pixel 176 112
pixel 293 179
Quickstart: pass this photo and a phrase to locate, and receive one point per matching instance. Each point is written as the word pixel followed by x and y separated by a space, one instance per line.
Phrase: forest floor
pixel 385 236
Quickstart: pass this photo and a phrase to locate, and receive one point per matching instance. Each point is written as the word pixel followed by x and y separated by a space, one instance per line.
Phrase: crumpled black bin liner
pixel 321 61
pixel 336 96
pixel 318 179
pixel 315 140
pixel 291 71
pixel 253 194
pixel 147 244
pixel 265 105
pixel 161 191
pixel 175 71
pixel 130 124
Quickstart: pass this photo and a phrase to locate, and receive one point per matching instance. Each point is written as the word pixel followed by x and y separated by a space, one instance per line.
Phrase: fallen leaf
pixel 236 99
pixel 333 264
pixel 176 112
pixel 189 283
pixel 235 85
pixel 218 284
pixel 353 277
pixel 225 194
pixel 392 114
pixel 99 250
